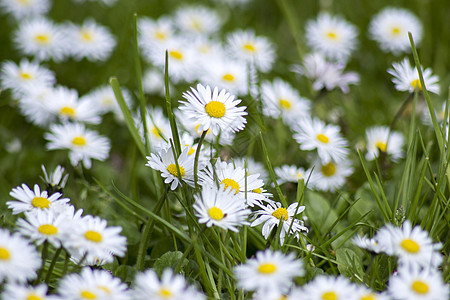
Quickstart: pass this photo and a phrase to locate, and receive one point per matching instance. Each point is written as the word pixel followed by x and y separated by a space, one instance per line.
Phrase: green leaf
pixel 169 260
pixel 319 211
pixel 350 263
pixel 126 273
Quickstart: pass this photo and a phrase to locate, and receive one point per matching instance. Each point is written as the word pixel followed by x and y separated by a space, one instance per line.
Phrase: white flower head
pixel 33 104
pixel 328 287
pixel 154 33
pixel 197 20
pixel 21 9
pixel 18 291
pixel 366 243
pixel 291 173
pixel 103 100
pixel 379 139
pixel 330 176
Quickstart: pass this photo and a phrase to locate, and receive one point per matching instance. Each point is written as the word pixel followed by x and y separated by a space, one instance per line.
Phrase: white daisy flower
pixel 83 144
pixel 331 36
pixel 248 48
pixel 197 20
pixel 330 176
pixel 361 292
pixel 153 82
pixel 214 109
pixel 33 104
pixel 41 38
pixel 171 286
pixel 291 173
pixel 92 284
pixel 29 200
pixel 269 271
pixel 164 162
pixel 26 292
pixel 158 128
pixel 56 181
pixel 406 78
pixel 271 215
pixel 21 9
pixel 328 287
pixel 154 33
pixel 219 207
pixel 104 100
pixel 253 167
pixel 90 40
pixel 380 139
pixel 281 100
pixel 366 243
pixel 390 29
pixel 18 259
pixel 313 134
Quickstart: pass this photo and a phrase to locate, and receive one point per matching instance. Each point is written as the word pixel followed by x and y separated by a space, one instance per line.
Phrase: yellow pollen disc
pixel 299 175
pixel 107 101
pixel 4 254
pixel 228 77
pixel 176 54
pixel 410 246
pixel 195 24
pixel 172 168
pixel 329 169
pixel 419 287
pixel 249 47
pixel 156 132
pixel 322 138
pixel 416 84
pixel 258 191
pixel 368 297
pixel 33 296
pixel 40 202
pixel 395 31
pixel 160 35
pixel 230 183
pixel 215 109
pixel 215 213
pixel 42 39
pixel 329 296
pixel 165 293
pixel 25 75
pixel 93 236
pixel 88 295
pixel 86 35
pixel 67 111
pixel 24 2
pixel 382 146
pixel 267 268
pixel 79 141
pixel 280 213
pixel 332 35
pixel 285 104
pixel 105 289
pixel 48 229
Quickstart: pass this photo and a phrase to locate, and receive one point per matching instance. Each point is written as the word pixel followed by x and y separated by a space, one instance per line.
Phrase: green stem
pixel 66 263
pixel 44 254
pixel 197 155
pixel 52 264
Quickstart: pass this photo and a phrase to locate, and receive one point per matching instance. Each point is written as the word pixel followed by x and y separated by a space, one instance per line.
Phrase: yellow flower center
pixel 40 202
pixel 382 146
pixel 25 75
pixel 88 295
pixel 215 109
pixel 258 191
pixel 280 213
pixel 368 297
pixel 165 293
pixel 299 175
pixel 323 138
pixel 329 169
pixel 93 236
pixel 4 254
pixel 230 183
pixel 176 54
pixel 33 296
pixel 228 77
pixel 86 36
pixel 329 296
pixel 419 287
pixel 24 2
pixel 172 168
pixel 67 111
pixel 395 30
pixel 249 47
pixel 105 289
pixel 79 141
pixel 410 246
pixel 107 101
pixel 267 268
pixel 332 35
pixel 42 39
pixel 215 213
pixel 48 229
pixel 285 104
pixel 416 84
pixel 191 151
pixel 160 35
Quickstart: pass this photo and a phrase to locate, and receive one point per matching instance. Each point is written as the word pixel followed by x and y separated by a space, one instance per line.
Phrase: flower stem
pixel 197 155
pixel 52 264
pixel 44 257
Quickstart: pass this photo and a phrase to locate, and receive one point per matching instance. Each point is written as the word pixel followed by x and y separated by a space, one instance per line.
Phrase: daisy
pixel 328 287
pixel 26 292
pixel 330 176
pixel 33 104
pixel 154 33
pixel 253 167
pixel 271 215
pixel 406 78
pixel 379 139
pixel 90 40
pixel 291 173
pixel 248 48
pixel 21 9
pixel 158 128
pixel 214 109
pixel 366 243
pixel 268 272
pixel 390 29
pixel 41 38
pixel 197 20
pixel 331 36
pixel 219 207
pixel 164 162
pixel 83 143
pixel 29 200
pixel 153 82
pixel 281 100
pixel 18 259
pixel 313 134
pixel 104 100
pixel 363 293
pixel 55 181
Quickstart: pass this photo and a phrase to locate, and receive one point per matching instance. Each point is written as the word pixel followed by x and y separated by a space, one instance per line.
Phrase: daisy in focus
pixel 390 29
pixel 83 144
pixel 21 9
pixel 407 79
pixel 330 176
pixel 379 140
pixel 269 272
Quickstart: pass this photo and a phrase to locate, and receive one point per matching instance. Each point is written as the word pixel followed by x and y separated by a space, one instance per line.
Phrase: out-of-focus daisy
pixel 291 173
pixel 269 271
pixel 253 167
pixel 327 288
pixel 363 293
pixel 313 134
pixel 56 180
pixel 406 78
pixel 41 38
pixel 158 128
pixel 164 162
pixel 29 200
pixel 90 40
pixel 197 20
pixel 390 29
pixel 366 243
pixel 331 36
pixel 104 100
pixel 271 215
pixel 379 139
pixel 214 109
pixel 219 207
pixel 18 259
pixel 281 100
pixel 420 285
pixel 153 82
pixel 171 286
pixel 248 48
pixel 92 284
pixel 21 9
pixel 330 176
pixel 83 144
pixel 26 292
pixel 154 33
pixel 33 104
